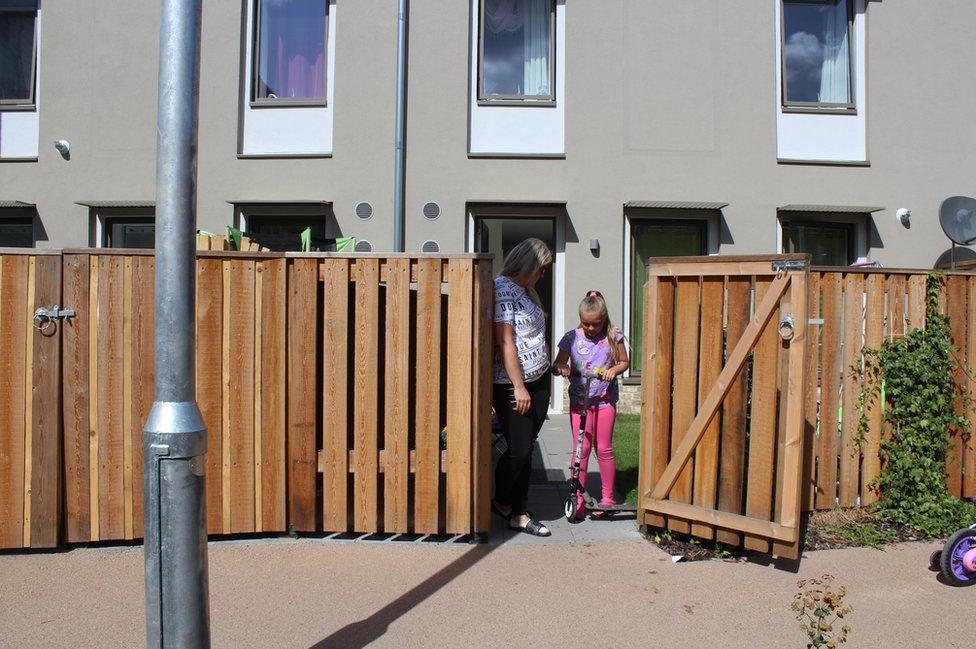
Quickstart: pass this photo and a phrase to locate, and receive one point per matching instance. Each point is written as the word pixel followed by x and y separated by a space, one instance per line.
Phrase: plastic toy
pixel 957 559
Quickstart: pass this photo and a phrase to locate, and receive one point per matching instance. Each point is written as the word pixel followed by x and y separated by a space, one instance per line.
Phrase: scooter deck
pixel 623 507
pixel 594 506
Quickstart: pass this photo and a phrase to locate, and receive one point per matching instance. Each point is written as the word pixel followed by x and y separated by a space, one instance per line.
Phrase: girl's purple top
pixel 589 355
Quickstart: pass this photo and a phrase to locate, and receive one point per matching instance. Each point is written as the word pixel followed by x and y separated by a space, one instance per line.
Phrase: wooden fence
pixel 848 310
pixel 341 393
pixel 860 308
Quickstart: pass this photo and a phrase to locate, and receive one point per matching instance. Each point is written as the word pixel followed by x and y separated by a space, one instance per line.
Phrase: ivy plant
pixel 920 409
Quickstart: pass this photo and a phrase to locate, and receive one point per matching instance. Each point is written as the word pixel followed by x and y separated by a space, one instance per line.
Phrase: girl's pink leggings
pixel 599 425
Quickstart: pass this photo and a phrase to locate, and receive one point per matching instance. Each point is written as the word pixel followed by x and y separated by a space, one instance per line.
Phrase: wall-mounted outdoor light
pixel 904 216
pixel 64 148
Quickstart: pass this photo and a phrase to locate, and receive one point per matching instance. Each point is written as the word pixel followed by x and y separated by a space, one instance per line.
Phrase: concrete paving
pixel 346 595
pixel 549 490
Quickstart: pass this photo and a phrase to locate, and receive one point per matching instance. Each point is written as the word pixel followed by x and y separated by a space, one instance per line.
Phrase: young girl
pixel 595 347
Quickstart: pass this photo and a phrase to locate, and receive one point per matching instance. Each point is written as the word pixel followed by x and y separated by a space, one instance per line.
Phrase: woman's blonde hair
pixel 524 260
pixel 594 303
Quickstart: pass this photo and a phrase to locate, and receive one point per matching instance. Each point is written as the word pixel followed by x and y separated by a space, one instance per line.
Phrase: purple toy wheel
pixel 958 556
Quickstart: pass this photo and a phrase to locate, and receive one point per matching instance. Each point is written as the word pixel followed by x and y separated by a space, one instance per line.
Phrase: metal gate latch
pixel 783 266
pixel 787 327
pixel 45 318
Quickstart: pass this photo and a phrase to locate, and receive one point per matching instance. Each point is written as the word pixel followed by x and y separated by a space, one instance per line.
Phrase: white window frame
pixel 818 106
pixel 103 216
pixel 282 130
pixel 31 102
pixel 558 287
pixel 520 129
pixel 820 135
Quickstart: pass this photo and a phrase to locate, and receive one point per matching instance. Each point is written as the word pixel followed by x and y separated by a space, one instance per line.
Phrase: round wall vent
pixel 364 246
pixel 364 210
pixel 432 210
pixel 430 246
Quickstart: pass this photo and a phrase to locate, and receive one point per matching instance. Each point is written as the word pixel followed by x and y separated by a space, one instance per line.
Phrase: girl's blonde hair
pixel 524 260
pixel 594 303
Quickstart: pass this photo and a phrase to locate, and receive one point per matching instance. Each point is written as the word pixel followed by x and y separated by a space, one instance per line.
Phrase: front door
pixel 499 235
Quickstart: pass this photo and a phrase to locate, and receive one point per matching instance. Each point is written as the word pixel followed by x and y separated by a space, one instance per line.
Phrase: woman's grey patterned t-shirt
pixel 515 307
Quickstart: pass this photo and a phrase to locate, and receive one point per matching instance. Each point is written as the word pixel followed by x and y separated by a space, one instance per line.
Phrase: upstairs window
pixel 18 52
pixel 517 58
pixel 289 52
pixel 817 54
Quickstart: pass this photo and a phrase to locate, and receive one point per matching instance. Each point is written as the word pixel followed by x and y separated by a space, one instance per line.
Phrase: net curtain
pixel 835 72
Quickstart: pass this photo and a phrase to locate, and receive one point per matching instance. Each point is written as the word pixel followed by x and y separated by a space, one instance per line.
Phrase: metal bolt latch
pixel 784 266
pixel 46 318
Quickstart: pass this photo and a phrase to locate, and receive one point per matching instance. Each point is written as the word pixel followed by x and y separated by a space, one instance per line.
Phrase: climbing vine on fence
pixel 920 408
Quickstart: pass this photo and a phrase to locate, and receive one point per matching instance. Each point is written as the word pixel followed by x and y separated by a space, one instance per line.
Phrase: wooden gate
pixel 722 416
pixel 29 412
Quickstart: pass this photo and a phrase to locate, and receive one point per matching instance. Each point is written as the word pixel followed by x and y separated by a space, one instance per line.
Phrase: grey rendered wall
pixel 677 101
pixel 665 100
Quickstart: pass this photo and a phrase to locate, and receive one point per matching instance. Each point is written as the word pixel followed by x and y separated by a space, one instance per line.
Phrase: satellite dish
pixel 957 215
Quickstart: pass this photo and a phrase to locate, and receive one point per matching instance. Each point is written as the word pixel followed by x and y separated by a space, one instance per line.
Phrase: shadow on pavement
pixel 360 634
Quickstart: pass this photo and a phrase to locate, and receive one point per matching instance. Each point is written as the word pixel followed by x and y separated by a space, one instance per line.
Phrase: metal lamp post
pixel 174 437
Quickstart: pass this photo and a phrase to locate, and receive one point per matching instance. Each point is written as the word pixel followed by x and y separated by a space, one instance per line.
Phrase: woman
pixel 521 378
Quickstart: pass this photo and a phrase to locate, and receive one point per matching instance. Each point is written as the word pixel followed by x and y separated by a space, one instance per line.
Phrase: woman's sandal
pixel 533 527
pixel 495 509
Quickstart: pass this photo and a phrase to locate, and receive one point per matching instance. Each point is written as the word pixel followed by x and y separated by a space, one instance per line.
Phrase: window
pixel 657 238
pixel 129 232
pixel 18 52
pixel 517 58
pixel 279 226
pixel 289 52
pixel 17 232
pixel 830 244
pixel 817 60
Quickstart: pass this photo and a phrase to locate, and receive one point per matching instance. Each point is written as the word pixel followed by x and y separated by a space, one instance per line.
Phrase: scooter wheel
pixel 570 508
pixel 935 560
pixel 954 555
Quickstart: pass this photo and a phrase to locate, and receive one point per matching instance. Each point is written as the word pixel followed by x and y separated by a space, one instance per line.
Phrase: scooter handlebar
pixel 598 374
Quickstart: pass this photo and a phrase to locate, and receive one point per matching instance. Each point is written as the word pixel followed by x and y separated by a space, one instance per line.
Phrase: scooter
pixel 576 489
pixel 957 559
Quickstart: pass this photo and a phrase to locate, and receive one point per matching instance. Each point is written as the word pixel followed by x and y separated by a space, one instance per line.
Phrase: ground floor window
pixel 17 232
pixel 657 238
pixel 280 226
pixel 128 231
pixel 830 244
